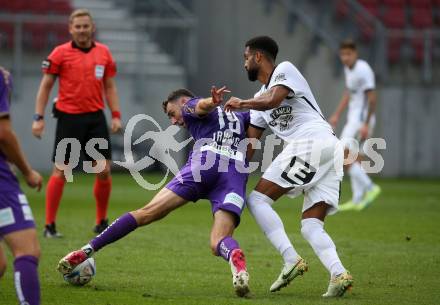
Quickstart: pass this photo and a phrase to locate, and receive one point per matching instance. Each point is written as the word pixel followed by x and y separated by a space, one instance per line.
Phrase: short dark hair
pixel 175 95
pixel 347 44
pixel 264 44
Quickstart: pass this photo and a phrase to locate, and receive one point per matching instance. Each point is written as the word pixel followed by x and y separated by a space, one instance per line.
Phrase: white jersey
pixel 358 79
pixel 298 116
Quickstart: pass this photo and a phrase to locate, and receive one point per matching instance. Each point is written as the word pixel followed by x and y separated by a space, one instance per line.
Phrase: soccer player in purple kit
pixel 17 227
pixel 224 185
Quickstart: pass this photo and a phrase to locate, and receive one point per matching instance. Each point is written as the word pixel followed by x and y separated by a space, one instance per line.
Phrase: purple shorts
pixel 15 213
pixel 225 190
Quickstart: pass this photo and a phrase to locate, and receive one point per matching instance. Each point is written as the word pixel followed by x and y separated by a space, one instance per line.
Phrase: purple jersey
pixel 218 135
pixel 219 131
pixel 8 181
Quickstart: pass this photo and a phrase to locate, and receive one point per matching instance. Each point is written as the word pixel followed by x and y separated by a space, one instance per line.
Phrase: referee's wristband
pixel 116 115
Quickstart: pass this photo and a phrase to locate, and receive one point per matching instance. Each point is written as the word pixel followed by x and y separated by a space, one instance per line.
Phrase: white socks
pixel 271 224
pixel 312 229
pixel 360 182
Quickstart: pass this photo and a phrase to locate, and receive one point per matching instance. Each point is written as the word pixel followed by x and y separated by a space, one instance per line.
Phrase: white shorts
pixel 310 167
pixel 351 131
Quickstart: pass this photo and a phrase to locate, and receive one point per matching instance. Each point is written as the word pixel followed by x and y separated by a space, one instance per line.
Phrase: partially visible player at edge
pixel 287 106
pixel 17 227
pixel 86 70
pixel 226 190
pixel 360 97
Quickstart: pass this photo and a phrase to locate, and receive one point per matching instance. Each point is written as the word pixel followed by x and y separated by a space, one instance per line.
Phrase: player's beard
pixel 252 74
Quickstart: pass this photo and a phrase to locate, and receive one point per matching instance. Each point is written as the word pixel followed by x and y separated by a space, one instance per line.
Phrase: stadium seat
pixel 418 44
pixel 394 17
pixel 35 35
pixel 62 7
pixel 341 9
pixel 7 34
pixel 366 27
pixel 37 7
pixel 426 4
pixel 394 3
pixel 394 45
pixel 421 18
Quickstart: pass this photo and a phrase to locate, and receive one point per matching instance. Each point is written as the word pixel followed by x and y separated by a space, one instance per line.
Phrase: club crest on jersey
pixel 279 78
pixel 281 117
pixel 99 71
pixel 189 109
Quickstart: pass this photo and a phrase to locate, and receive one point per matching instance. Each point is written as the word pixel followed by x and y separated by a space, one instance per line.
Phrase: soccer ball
pixel 81 274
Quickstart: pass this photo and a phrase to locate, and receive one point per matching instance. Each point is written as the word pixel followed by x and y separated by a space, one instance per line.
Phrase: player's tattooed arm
pixel 272 98
pixel 206 105
pixel 371 98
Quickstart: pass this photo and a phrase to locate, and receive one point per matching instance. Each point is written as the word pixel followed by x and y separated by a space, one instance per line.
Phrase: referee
pixel 86 71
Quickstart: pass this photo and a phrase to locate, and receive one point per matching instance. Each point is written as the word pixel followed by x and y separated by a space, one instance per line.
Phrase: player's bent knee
pixel 256 198
pixel 309 225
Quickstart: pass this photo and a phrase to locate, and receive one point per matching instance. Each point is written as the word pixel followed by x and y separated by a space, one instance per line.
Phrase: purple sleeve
pixel 189 110
pixel 245 117
pixel 4 94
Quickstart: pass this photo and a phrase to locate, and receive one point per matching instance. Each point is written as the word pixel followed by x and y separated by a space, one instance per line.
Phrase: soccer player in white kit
pixel 309 164
pixel 360 97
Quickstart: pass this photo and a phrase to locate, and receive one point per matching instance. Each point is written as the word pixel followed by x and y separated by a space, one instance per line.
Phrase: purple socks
pixel 26 280
pixel 226 246
pixel 118 229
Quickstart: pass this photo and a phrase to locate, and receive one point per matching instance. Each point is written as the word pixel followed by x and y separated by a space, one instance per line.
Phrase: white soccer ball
pixel 82 274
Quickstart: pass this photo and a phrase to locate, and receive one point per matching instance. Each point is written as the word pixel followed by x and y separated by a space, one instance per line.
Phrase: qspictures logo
pixel 299 159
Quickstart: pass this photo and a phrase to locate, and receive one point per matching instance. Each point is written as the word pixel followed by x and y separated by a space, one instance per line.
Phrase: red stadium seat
pixel 7 34
pixel 35 35
pixel 418 44
pixel 394 3
pixel 394 18
pixel 38 7
pixel 366 27
pixel 369 2
pixel 341 8
pixel 394 45
pixel 420 3
pixel 62 7
pixel 421 18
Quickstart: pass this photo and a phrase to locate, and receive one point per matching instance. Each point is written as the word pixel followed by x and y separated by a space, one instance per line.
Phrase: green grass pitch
pixel 392 250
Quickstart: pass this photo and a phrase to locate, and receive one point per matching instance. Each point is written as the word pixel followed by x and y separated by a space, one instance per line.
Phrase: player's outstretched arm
pixel 269 100
pixel 10 146
pixel 333 120
pixel 206 105
pixel 252 134
pixel 46 86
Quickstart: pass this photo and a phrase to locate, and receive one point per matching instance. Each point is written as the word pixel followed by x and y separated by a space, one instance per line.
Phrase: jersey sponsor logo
pixel 27 212
pixel 22 199
pixel 279 78
pixel 281 117
pixel 6 217
pixel 235 199
pixel 99 71
pixel 223 150
pixel 298 172
pixel 45 64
